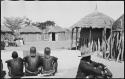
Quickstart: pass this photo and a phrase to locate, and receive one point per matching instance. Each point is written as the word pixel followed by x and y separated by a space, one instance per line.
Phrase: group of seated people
pixel 33 64
pixel 46 65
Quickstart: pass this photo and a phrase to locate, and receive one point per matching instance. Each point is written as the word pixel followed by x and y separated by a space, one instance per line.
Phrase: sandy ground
pixel 68 60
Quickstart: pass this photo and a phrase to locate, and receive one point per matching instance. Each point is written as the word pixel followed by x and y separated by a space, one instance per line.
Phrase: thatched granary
pixel 56 33
pixel 117 39
pixel 93 27
pixel 30 33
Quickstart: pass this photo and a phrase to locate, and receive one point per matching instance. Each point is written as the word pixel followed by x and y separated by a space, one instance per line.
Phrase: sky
pixel 64 13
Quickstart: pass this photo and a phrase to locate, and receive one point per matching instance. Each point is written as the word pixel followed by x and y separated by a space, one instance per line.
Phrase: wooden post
pixel 105 42
pixel 72 37
pixel 111 45
pixel 122 57
pixel 76 36
pixel 119 48
pixel 122 38
pixel 90 37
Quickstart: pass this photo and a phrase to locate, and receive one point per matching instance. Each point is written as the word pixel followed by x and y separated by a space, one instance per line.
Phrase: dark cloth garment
pixel 1 63
pixel 32 64
pixel 2 45
pixel 2 73
pixel 15 67
pixel 49 64
pixel 86 69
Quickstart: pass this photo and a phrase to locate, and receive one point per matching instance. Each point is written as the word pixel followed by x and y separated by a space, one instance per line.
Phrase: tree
pixel 15 23
pixel 45 25
pixel 50 23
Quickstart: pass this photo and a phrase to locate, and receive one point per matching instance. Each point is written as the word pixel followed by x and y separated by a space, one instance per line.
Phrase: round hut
pixel 30 33
pixel 56 33
pixel 92 29
pixel 5 32
pixel 117 39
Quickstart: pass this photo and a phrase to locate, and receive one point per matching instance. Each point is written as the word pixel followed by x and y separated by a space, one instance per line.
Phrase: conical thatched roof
pixel 56 29
pixel 5 29
pixel 31 29
pixel 119 23
pixel 95 20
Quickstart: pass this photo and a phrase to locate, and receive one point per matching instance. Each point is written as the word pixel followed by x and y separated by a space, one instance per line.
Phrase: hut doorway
pixel 53 36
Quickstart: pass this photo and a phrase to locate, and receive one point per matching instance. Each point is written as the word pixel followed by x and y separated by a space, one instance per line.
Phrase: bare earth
pixel 68 60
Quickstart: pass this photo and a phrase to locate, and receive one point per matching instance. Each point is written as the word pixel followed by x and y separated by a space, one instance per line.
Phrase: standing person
pixel 50 64
pixel 32 63
pixel 90 69
pixel 2 73
pixel 15 65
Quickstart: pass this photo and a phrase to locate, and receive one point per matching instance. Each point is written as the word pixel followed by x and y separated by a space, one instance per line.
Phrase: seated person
pixel 49 65
pixel 32 63
pixel 2 45
pixel 3 73
pixel 90 69
pixel 15 65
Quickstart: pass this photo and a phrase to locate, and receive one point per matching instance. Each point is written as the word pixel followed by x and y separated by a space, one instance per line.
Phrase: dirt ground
pixel 68 60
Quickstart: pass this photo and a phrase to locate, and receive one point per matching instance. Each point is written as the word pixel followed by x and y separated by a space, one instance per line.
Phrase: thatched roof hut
pixel 118 24
pixel 56 29
pixel 95 20
pixel 56 33
pixel 93 27
pixel 30 29
pixel 30 33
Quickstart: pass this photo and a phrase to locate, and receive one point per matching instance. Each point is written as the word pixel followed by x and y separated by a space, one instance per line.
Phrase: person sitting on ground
pixel 2 45
pixel 90 69
pixel 50 64
pixel 32 63
pixel 15 65
pixel 3 73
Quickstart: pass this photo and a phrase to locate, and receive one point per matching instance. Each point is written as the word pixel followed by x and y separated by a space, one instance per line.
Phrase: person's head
pixel 86 53
pixel 47 51
pixel 14 55
pixel 33 51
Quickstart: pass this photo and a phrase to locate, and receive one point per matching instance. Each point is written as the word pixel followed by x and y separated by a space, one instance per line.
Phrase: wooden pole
pixel 122 57
pixel 105 41
pixel 122 40
pixel 90 36
pixel 119 48
pixel 72 37
pixel 76 36
pixel 111 45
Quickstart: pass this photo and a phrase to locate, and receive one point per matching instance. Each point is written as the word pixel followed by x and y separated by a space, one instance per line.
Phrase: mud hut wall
pixel 31 37
pixel 61 36
pixel 44 37
pixel 68 35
